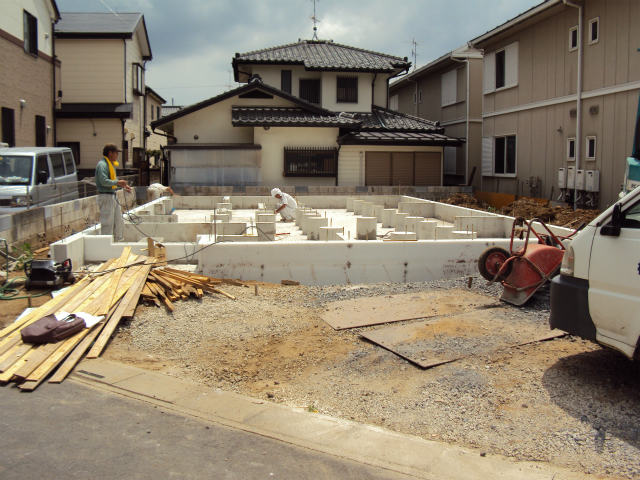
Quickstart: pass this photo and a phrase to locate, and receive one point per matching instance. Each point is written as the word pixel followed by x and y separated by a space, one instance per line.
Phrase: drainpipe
pixel 53 75
pixel 466 145
pixel 578 98
pixel 373 82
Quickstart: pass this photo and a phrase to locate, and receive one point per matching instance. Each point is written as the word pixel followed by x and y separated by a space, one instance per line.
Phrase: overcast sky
pixel 193 41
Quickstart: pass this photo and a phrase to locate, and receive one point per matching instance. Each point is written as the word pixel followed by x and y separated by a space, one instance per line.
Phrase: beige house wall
pixel 540 110
pixel 351 161
pixel 93 135
pixel 92 70
pixel 11 21
pixel 135 124
pixel 274 141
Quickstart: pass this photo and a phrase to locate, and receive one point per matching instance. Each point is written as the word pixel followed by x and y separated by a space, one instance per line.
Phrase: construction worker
pixel 107 183
pixel 286 205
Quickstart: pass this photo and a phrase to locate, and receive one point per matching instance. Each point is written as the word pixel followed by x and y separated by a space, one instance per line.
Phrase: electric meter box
pixel 592 180
pixel 562 178
pixel 571 177
pixel 580 179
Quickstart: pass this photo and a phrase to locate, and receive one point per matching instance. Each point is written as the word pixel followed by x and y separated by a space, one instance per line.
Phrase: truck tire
pixel 490 262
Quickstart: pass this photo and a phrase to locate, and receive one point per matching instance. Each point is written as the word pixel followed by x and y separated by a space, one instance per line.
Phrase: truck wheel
pixel 491 261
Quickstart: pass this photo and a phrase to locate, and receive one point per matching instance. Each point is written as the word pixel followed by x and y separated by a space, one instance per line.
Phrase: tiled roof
pixel 398 138
pixel 98 22
pixel 324 55
pixel 389 120
pixel 287 116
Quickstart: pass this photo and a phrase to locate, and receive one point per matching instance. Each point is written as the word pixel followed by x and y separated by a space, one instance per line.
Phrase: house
pixel 560 95
pixel 102 91
pixel 448 90
pixel 154 105
pixel 312 112
pixel 28 72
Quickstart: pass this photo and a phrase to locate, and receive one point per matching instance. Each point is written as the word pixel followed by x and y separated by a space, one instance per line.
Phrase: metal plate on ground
pixel 365 311
pixel 442 340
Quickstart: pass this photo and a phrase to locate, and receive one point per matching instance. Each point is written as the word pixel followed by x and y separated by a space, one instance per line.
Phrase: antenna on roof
pixel 414 52
pixel 315 21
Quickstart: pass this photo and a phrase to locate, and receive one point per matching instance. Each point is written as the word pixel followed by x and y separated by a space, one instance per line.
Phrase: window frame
pixel 596 21
pixel 344 94
pixel 41 131
pixel 505 153
pixel 595 148
pixel 503 55
pixel 30 33
pixel 310 80
pixel 137 78
pixel 572 47
pixel 286 79
pixel 8 126
pixel 294 159
pixel 571 140
pixel 450 76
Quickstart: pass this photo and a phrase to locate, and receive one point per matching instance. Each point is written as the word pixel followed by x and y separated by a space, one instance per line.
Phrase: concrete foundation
pixel 366 228
pixel 388 217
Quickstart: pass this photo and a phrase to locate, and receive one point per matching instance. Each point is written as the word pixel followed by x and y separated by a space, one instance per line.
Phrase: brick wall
pixel 24 76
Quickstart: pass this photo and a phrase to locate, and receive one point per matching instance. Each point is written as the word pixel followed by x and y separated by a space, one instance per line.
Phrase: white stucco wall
pixel 11 20
pixel 273 142
pixel 92 134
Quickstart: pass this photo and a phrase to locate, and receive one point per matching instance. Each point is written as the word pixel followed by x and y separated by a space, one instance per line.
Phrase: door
pixel 43 190
pixel 377 168
pixel 614 281
pixel 8 127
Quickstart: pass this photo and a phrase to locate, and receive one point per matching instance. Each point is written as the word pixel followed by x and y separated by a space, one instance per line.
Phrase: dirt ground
pixel 530 208
pixel 564 401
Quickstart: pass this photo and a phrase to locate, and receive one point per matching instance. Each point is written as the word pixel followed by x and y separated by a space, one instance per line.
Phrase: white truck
pixel 597 294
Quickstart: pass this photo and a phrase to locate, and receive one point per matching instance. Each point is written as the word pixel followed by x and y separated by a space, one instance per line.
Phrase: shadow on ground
pixel 600 388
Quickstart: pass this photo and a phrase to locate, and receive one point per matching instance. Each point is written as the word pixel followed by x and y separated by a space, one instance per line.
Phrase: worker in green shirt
pixel 107 183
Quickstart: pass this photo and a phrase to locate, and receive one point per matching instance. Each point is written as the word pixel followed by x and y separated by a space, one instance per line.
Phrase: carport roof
pixel 399 138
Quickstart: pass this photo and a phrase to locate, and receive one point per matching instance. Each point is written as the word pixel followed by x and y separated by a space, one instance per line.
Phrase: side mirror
pixel 42 177
pixel 612 229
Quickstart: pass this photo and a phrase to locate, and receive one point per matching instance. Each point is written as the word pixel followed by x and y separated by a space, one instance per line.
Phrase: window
pixel 30 25
pixel 152 112
pixel 449 88
pixel 138 78
pixel 69 164
pixel 310 90
pixel 505 155
pixel 573 38
pixel 285 81
pixel 594 30
pixel 591 148
pixel 450 154
pixel 310 162
pixel 41 131
pixel 500 69
pixel 57 162
pixel 571 149
pixel 75 149
pixel 158 112
pixel 8 127
pixel 347 90
pixel 42 169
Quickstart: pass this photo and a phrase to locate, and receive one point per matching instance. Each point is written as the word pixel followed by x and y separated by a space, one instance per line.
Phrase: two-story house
pixel 560 94
pixel 448 90
pixel 27 72
pixel 102 87
pixel 312 112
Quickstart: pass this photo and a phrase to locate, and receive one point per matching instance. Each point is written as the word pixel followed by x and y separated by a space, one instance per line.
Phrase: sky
pixel 193 41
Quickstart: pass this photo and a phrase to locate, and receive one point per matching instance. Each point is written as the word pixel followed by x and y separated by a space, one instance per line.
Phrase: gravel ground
pixel 563 401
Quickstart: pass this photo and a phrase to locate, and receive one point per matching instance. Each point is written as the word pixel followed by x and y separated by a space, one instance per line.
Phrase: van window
pixel 15 170
pixel 42 165
pixel 57 163
pixel 69 163
pixel 632 217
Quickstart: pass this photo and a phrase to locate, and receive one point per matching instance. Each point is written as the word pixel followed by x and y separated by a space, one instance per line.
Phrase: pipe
pixel 373 83
pixel 578 152
pixel 53 74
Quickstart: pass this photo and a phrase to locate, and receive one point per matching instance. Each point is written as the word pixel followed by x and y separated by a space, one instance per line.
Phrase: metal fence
pixel 310 162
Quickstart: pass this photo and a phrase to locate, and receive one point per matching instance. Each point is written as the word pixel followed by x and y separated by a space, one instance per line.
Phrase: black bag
pixel 50 330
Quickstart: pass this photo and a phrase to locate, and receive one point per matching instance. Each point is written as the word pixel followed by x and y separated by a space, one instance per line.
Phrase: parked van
pixel 597 294
pixel 36 176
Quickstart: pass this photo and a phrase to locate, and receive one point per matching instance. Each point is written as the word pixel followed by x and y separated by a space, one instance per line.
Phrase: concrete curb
pixel 366 444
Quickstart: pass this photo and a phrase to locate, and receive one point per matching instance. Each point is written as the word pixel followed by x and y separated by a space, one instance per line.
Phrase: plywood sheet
pixel 365 311
pixel 441 340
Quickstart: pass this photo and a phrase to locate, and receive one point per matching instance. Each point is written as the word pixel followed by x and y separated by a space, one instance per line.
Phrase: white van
pixel 35 176
pixel 597 294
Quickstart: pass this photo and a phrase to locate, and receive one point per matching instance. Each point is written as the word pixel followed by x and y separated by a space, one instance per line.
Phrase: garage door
pixel 403 168
pixel 428 168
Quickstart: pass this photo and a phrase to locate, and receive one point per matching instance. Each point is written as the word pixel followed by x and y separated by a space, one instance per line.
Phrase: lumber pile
pixel 112 291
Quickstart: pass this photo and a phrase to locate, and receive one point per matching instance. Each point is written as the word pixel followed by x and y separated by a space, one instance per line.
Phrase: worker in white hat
pixel 286 205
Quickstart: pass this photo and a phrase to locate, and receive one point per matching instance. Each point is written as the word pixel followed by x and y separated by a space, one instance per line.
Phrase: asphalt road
pixel 75 432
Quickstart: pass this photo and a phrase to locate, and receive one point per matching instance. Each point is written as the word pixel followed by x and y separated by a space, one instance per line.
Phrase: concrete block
pixel 426 230
pixel 411 224
pixel 388 217
pixel 398 220
pixel 377 212
pixel 443 232
pixel 487 226
pixel 367 209
pixel 223 206
pixel 357 207
pixel 307 221
pixel 266 217
pixel 349 206
pixel 366 228
pixel 399 236
pixel 313 227
pixel 417 208
pixel 266 228
pixel 220 217
pixel 464 234
pixel 330 233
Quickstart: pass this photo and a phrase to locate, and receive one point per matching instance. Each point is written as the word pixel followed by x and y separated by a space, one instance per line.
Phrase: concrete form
pixel 433 240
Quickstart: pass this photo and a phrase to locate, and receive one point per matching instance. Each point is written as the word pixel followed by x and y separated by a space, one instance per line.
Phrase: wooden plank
pixel 13 355
pixel 199 292
pixel 9 342
pixel 222 292
pixel 195 276
pixel 115 279
pixel 33 359
pixel 132 295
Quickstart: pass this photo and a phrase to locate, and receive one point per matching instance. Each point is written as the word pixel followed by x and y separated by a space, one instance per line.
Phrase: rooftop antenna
pixel 414 52
pixel 315 21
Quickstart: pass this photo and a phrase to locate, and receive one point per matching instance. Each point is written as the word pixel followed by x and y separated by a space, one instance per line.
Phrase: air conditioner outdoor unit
pixel 580 179
pixel 562 178
pixel 592 180
pixel 571 177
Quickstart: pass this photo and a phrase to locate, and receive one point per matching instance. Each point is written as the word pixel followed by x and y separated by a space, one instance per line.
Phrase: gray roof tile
pixel 287 116
pixel 97 22
pixel 383 119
